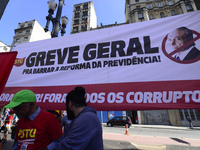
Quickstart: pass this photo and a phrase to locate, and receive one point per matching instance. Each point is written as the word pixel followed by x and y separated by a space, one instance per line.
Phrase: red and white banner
pixel 7 60
pixel 128 67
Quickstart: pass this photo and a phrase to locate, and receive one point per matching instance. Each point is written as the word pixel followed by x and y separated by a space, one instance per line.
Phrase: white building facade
pixel 29 31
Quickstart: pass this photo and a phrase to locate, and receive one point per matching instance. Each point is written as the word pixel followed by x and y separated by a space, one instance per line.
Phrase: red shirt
pixel 9 119
pixel 38 133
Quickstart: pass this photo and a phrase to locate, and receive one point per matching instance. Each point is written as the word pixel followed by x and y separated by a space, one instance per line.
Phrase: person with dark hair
pixel 183 37
pixel 190 122
pixel 36 129
pixel 85 130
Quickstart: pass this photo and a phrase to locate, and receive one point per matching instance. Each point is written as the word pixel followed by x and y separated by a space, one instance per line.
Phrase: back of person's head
pixel 77 97
pixel 189 35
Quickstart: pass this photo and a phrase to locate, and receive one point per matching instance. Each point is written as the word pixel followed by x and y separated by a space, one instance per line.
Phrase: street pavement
pixel 113 141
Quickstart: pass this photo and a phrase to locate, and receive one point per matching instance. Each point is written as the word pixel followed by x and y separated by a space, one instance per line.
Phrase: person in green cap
pixel 36 128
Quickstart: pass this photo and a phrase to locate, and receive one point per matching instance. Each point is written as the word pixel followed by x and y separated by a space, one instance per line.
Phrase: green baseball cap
pixel 22 96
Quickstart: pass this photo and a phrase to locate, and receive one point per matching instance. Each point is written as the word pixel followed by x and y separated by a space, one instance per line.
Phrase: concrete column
pixel 136 17
pixel 183 7
pixel 174 117
pixel 146 15
pixel 194 6
pixel 140 117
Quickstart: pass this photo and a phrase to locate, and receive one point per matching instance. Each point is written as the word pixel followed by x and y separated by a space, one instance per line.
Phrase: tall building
pixel 144 10
pixel 3 4
pixel 29 31
pixel 84 17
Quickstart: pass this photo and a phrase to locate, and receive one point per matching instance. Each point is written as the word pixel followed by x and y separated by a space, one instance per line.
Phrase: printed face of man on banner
pixel 181 46
pixel 178 38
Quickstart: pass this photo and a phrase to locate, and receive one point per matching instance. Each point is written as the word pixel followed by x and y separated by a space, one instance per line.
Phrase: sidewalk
pixel 156 143
pixel 162 127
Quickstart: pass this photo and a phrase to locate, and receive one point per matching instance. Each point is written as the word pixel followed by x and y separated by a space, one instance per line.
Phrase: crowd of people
pixel 9 119
pixel 79 128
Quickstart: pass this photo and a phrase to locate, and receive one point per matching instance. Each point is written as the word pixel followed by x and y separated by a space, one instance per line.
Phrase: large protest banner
pixel 129 67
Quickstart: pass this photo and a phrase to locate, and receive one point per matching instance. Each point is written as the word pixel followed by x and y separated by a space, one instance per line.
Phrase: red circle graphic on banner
pixel 171 54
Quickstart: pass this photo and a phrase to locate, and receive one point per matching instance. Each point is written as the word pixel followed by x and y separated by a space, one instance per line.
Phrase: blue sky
pixel 17 11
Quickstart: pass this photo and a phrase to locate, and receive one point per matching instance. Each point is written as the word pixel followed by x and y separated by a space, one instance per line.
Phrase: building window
pixel 181 111
pixel 149 6
pixel 159 4
pixel 20 32
pixel 75 29
pixel 189 7
pixel 22 26
pixel 85 13
pixel 151 16
pixel 77 15
pixel 25 38
pixel 136 0
pixel 140 16
pixel 84 28
pixel 191 113
pixel 17 40
pixel 138 7
pixel 30 25
pixel 197 112
pixel 28 31
pixel 162 15
pixel 170 3
pixel 76 22
pixel 173 12
pixel 85 6
pixel 84 20
pixel 185 112
pixel 77 8
pixel 5 48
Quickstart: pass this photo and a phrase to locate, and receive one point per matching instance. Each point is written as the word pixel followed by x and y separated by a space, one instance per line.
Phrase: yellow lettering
pixel 21 134
pixel 27 131
pixel 33 131
pixel 16 61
